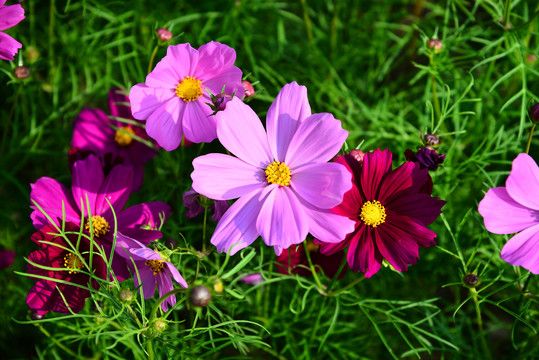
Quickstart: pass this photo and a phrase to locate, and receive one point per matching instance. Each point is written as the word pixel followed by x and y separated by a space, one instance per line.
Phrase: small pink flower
pixel 175 95
pixel 9 16
pixel 515 208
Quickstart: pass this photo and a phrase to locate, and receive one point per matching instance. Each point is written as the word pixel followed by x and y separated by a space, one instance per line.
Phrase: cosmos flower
pixel 88 182
pixel 515 208
pixel 61 253
pixel 193 203
pixel 427 157
pixel 9 16
pixel 175 95
pixel 6 258
pixel 390 210
pixel 94 133
pixel 284 183
pixel 154 268
pixel 294 260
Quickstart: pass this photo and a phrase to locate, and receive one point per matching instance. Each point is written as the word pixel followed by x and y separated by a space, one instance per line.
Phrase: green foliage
pixel 368 63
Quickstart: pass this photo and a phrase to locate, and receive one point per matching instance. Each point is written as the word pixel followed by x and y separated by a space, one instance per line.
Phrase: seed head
pixel 200 296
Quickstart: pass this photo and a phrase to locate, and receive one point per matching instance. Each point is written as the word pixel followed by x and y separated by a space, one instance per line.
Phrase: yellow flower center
pixel 373 213
pixel 278 173
pixel 123 136
pixel 72 261
pixel 189 89
pixel 99 224
pixel 156 265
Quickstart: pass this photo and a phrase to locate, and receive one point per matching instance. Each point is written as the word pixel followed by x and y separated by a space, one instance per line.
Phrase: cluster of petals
pixel 64 264
pixel 285 210
pixel 110 139
pixel 91 192
pixel 515 208
pixel 9 16
pixel 174 99
pixel 398 207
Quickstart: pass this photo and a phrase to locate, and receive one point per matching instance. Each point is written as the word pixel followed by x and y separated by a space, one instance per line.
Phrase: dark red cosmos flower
pixel 57 252
pixel 391 208
pixel 294 259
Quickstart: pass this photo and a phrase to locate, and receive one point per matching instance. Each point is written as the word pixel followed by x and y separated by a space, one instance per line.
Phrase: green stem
pixel 530 139
pixel 336 276
pixel 204 229
pixel 56 342
pixel 152 58
pixel 149 349
pixel 313 270
pixel 160 300
pixel 349 286
pixel 506 13
pixel 435 98
pixel 132 312
pixel 307 20
pixel 480 323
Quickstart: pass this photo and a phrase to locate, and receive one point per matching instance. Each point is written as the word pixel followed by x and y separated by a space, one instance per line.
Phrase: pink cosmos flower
pixel 58 252
pixel 284 183
pixel 192 201
pixel 153 268
pixel 93 132
pixel 515 208
pixel 9 16
pixel 391 210
pixel 175 96
pixel 88 181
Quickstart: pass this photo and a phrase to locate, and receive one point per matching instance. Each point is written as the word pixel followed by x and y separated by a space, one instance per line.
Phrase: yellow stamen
pixel 189 89
pixel 156 265
pixel 278 173
pixel 123 139
pixel 72 261
pixel 99 224
pixel 373 213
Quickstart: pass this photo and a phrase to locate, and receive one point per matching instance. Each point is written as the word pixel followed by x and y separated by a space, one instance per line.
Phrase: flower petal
pixel 375 166
pixel 237 228
pixel 51 196
pixel 214 52
pixel 86 180
pixel 92 131
pixel 197 123
pixel 116 189
pixel 142 235
pixel 10 16
pixel 523 181
pixel 291 106
pixel 180 61
pixel 147 278
pixel 224 177
pixel 176 274
pixel 523 249
pixel 8 47
pixel 240 131
pixel 119 103
pixel 420 207
pixel 503 215
pixel 41 296
pixel 325 225
pixel 229 79
pixel 322 185
pixel 145 100
pixel 396 246
pixel 282 221
pixel 362 254
pixel 164 285
pixel 165 124
pixel 145 214
pixel 317 139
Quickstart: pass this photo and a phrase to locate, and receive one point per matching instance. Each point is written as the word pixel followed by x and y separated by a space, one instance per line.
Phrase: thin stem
pixel 149 349
pixel 204 229
pixel 349 286
pixel 313 270
pixel 152 58
pixel 56 342
pixel 307 20
pixel 132 312
pixel 480 323
pixel 435 98
pixel 506 13
pixel 530 139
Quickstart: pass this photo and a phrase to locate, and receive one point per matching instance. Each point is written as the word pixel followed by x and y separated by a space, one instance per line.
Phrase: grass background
pixel 365 62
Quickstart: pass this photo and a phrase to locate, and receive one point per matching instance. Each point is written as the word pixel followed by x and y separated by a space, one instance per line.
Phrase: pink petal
pixel 50 195
pixel 164 284
pixel 10 16
pixel 396 246
pixel 290 107
pixel 229 79
pixel 179 62
pixel 322 185
pixel 351 204
pixel 147 279
pixel 42 296
pixel 165 124
pixel 235 177
pixel 86 180
pixel 240 131
pixel 397 182
pixel 362 253
pixel 237 228
pixel 197 123
pixel 325 225
pixel 91 131
pixel 145 100
pixel 118 103
pixel 142 235
pixel 420 207
pixel 8 47
pixel 282 221
pixel 224 55
pixel 317 139
pixel 375 166
pixel 116 188
pixel 523 249
pixel 176 274
pixel 523 181
pixel 503 215
pixel 145 214
pixel 404 226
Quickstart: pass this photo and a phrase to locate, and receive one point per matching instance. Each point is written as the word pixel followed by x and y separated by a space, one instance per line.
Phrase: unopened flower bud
pixel 31 54
pixel 531 59
pixel 159 325
pixel 220 101
pixel 35 316
pixel 435 44
pixel 358 155
pixel 21 72
pixel 249 89
pixel 164 34
pixel 218 286
pixel 200 296
pixel 534 112
pixel 471 279
pixel 126 295
pixel 431 139
pixel 171 243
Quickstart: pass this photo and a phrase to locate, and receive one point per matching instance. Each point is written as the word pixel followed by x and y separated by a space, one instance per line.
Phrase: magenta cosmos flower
pixel 153 267
pixel 70 264
pixel 515 208
pixel 284 183
pixel 9 16
pixel 391 210
pixel 94 132
pixel 175 96
pixel 88 182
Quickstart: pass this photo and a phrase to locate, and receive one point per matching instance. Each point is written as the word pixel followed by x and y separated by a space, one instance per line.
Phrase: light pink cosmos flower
pixel 9 16
pixel 285 186
pixel 514 208
pixel 175 95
